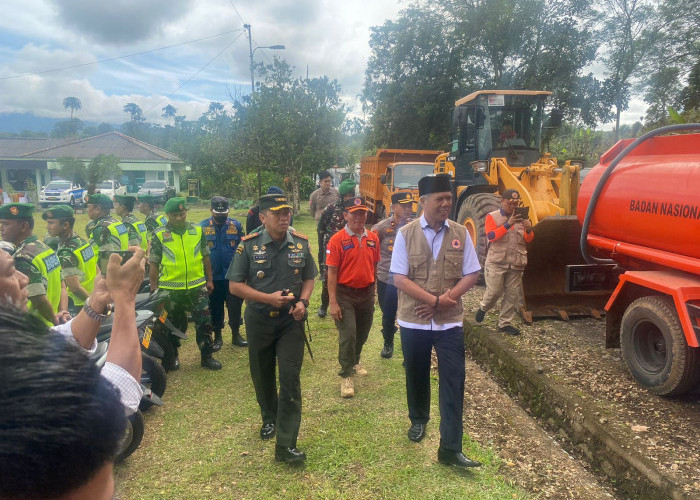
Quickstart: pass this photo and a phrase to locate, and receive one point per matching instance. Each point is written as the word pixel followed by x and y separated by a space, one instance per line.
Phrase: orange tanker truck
pixel 390 171
pixel 640 214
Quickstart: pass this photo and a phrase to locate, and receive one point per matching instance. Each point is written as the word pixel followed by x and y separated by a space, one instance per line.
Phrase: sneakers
pixel 359 370
pixel 510 330
pixel 480 315
pixel 347 388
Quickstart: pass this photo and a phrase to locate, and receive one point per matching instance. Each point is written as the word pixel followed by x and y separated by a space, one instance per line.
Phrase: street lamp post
pixel 251 51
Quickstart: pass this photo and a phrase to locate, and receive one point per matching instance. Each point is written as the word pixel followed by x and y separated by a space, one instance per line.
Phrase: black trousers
pixel 220 297
pixel 388 302
pixel 272 342
pixel 449 346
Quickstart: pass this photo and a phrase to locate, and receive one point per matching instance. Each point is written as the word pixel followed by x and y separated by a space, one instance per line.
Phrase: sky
pixel 329 37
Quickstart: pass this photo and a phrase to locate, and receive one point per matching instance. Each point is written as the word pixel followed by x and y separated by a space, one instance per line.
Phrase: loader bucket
pixel 556 245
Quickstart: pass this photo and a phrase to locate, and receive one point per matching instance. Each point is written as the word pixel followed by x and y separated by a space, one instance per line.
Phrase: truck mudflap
pixel 546 290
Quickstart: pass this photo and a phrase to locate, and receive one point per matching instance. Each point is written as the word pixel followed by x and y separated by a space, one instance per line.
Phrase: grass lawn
pixel 204 443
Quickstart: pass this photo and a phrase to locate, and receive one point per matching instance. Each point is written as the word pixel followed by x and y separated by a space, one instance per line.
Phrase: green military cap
pixel 347 186
pixel 274 202
pixel 58 212
pixel 124 198
pixel 99 199
pixel 146 198
pixel 17 211
pixel 176 204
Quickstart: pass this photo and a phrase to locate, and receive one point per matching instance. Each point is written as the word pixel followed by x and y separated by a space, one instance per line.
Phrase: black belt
pixel 272 313
pixel 352 288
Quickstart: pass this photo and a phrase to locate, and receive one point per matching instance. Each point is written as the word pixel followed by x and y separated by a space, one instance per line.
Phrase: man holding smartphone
pixel 508 233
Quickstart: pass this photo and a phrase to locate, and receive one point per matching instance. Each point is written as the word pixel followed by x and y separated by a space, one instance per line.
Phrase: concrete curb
pixel 570 416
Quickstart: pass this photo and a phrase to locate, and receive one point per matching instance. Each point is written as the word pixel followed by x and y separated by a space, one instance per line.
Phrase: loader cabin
pixel 507 123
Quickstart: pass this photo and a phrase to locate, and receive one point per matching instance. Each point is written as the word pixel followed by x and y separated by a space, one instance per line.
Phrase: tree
pixel 73 169
pixel 68 128
pixel 73 103
pixel 134 111
pixel 169 111
pixel 100 168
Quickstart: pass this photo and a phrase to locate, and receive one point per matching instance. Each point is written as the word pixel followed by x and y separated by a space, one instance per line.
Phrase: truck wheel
pixel 654 347
pixel 472 214
pixel 131 440
pixel 72 202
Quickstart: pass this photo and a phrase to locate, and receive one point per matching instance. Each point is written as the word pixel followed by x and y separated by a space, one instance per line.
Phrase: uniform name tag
pixel 347 244
pixel 51 262
pixel 296 255
pixel 260 257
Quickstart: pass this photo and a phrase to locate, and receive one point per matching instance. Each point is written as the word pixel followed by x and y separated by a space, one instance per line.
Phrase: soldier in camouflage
pixel 33 259
pixel 181 265
pixel 123 207
pixel 331 221
pixel 154 219
pixel 76 255
pixel 107 233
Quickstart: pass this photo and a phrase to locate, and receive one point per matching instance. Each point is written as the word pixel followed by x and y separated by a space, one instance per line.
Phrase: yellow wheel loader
pixel 496 144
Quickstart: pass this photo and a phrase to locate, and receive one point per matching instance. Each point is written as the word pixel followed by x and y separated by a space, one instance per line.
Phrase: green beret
pixel 58 212
pixel 124 198
pixel 274 202
pixel 99 199
pixel 146 198
pixel 17 211
pixel 347 186
pixel 176 204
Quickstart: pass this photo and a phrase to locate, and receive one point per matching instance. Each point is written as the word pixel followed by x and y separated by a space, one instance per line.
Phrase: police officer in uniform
pixel 434 264
pixel 274 272
pixel 180 264
pixel 77 256
pixel 387 294
pixel 223 234
pixel 33 259
pixel 107 233
pixel 123 207
pixel 154 219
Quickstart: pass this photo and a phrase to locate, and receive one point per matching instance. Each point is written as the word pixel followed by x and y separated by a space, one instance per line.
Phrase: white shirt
pixel 399 265
pixel 130 390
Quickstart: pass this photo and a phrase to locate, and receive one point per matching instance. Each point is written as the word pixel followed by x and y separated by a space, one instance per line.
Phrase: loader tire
pixel 654 347
pixel 472 214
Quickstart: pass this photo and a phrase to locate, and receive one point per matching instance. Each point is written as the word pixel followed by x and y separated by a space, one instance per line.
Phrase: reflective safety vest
pixel 143 233
pixel 119 235
pixel 48 264
pixel 181 264
pixel 87 263
pixel 162 219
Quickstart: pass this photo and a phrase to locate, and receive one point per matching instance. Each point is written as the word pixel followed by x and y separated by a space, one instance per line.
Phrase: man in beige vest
pixel 508 234
pixel 434 264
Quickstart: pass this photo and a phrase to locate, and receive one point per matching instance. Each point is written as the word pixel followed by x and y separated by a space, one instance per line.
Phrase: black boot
pixel 218 341
pixel 238 340
pixel 210 363
pixel 388 351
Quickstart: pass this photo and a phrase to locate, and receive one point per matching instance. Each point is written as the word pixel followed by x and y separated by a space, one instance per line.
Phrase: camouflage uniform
pixel 153 221
pixel 332 220
pixel 38 283
pixel 69 262
pixel 130 221
pixel 106 243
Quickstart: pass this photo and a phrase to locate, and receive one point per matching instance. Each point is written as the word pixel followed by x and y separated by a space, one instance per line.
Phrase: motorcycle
pixel 159 327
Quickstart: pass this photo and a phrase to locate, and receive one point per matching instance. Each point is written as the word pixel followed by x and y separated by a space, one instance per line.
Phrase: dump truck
pixel 496 143
pixel 390 171
pixel 639 209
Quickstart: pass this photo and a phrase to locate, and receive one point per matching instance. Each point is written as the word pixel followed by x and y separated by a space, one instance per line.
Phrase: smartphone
pixel 523 212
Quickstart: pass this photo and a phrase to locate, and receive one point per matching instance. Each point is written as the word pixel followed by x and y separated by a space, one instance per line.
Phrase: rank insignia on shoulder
pixel 239 250
pixel 302 236
pixel 250 236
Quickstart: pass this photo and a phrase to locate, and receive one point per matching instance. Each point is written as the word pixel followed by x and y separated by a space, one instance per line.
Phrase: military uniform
pixel 330 222
pixel 77 257
pixel 108 234
pixel 387 294
pixel 274 336
pixel 223 239
pixel 153 221
pixel 35 260
pixel 179 256
pixel 137 229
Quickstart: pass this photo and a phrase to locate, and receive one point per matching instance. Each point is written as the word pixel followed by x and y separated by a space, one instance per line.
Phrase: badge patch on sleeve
pixel 347 244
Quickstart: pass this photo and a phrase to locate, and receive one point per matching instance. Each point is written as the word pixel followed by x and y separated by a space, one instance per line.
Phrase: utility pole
pixel 250 51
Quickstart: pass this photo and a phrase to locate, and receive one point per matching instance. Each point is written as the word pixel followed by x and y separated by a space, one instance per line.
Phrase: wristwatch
pixel 305 302
pixel 92 314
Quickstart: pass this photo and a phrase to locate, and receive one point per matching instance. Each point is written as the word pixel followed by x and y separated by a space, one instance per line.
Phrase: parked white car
pixel 60 191
pixel 110 188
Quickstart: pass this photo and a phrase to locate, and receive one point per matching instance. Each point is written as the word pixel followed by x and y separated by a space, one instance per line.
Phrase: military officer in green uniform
pixel 107 233
pixel 274 271
pixel 123 207
pixel 77 256
pixel 180 263
pixel 34 259
pixel 154 219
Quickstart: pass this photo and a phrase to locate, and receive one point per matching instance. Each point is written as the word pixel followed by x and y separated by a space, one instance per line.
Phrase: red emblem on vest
pixel 456 243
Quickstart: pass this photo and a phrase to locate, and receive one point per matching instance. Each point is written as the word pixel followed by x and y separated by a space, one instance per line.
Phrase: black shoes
pixel 289 454
pixel 388 351
pixel 456 458
pixel 218 341
pixel 416 432
pixel 238 340
pixel 322 312
pixel 510 330
pixel 480 315
pixel 210 363
pixel 175 364
pixel 267 431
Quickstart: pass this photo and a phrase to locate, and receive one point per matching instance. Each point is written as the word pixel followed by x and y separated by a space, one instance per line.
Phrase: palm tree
pixel 169 111
pixel 73 103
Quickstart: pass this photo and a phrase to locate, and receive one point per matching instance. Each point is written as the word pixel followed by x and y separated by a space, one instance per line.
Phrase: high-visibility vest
pixel 140 229
pixel 181 264
pixel 48 264
pixel 119 234
pixel 87 263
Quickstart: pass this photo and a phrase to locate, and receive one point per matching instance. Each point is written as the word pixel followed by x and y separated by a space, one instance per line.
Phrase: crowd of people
pixel 52 302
